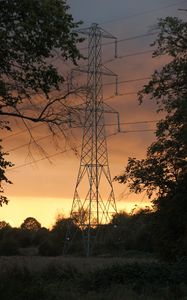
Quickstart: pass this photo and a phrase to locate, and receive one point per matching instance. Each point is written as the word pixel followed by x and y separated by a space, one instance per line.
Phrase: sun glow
pixel 45 210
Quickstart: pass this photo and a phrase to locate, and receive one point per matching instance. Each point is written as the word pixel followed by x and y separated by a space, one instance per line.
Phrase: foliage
pixel 125 234
pixel 50 247
pixel 31 31
pixel 169 227
pixel 63 231
pixel 4 224
pixel 120 218
pixel 4 164
pixel 30 223
pixel 9 246
pixel 164 170
pixel 165 164
pixel 33 34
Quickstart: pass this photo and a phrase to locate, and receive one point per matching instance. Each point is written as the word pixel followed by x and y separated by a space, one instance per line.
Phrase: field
pixel 70 278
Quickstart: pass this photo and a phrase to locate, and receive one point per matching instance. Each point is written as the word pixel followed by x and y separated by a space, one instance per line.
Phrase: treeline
pixel 126 233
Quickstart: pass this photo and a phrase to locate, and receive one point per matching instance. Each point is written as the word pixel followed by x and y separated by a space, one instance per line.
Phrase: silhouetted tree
pixel 120 219
pixel 4 164
pixel 66 229
pixel 30 223
pixel 4 224
pixel 33 34
pixel 164 169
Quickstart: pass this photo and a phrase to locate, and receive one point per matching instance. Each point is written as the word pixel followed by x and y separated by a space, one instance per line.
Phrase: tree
pixel 4 224
pixel 164 170
pixel 3 166
pixel 33 34
pixel 30 223
pixel 61 226
pixel 31 31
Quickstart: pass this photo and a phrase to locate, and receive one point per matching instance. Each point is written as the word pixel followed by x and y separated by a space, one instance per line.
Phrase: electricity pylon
pixel 94 200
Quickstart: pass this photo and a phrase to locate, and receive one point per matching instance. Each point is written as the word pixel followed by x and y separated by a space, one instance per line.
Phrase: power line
pixel 119 95
pixel 133 123
pixel 27 144
pixel 110 83
pixel 142 13
pixel 134 80
pixel 130 38
pixel 122 40
pixel 138 130
pixel 43 158
pixel 108 125
pixel 136 15
pixel 127 81
pixel 21 131
pixel 129 55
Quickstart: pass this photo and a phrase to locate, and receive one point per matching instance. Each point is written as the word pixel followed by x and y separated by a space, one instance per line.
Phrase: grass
pixel 39 278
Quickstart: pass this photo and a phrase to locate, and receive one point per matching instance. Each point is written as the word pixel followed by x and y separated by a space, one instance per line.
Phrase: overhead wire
pixel 70 149
pixel 129 80
pixel 125 81
pixel 105 84
pixel 133 16
pixel 32 142
pixel 138 130
pixel 107 125
pixel 106 99
pixel 134 80
pixel 130 38
pixel 142 13
pixel 21 131
pixel 38 160
pixel 128 55
pixel 134 123
pixel 119 95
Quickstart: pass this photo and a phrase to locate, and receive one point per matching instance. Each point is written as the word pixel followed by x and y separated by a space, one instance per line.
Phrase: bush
pixel 50 247
pixel 9 246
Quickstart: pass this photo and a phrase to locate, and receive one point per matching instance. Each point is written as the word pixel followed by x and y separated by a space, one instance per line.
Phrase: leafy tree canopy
pixel 30 223
pixel 4 224
pixel 4 164
pixel 30 33
pixel 164 170
pixel 164 167
pixel 33 33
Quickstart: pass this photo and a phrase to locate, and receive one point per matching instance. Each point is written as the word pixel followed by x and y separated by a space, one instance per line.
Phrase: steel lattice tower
pixel 95 207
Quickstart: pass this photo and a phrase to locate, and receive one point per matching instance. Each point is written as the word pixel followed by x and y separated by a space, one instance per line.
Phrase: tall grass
pixel 91 279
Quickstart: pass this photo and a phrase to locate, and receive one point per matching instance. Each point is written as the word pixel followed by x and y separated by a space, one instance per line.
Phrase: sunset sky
pixel 45 188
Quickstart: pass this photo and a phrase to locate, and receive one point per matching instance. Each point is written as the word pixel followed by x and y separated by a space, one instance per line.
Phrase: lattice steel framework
pixel 96 206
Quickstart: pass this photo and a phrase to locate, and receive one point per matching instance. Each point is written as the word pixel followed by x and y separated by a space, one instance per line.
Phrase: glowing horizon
pixel 46 210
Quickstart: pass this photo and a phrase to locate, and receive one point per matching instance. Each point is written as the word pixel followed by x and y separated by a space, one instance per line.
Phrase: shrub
pixel 9 246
